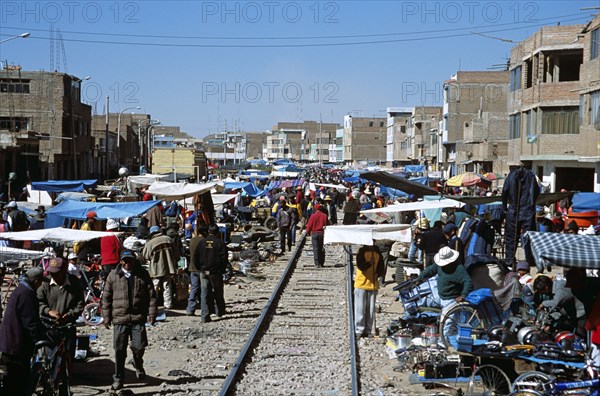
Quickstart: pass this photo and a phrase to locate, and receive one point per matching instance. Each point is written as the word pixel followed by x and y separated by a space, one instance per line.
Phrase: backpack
pixel 20 222
pixel 284 218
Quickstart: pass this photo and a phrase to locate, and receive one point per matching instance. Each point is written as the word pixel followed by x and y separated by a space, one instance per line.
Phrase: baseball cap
pixel 72 256
pixel 127 254
pixel 523 265
pixel 56 265
pixel 154 230
pixel 91 215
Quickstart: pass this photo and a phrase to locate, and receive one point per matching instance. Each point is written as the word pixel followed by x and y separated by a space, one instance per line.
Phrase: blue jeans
pixel 293 238
pixel 318 248
pixel 414 250
pixel 212 295
pixel 446 305
pixel 194 297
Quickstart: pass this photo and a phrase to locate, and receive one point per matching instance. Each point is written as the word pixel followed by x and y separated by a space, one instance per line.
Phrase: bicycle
pixel 92 311
pixel 51 362
pixel 10 279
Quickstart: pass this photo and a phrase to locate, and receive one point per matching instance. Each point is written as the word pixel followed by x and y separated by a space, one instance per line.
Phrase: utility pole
pixel 106 139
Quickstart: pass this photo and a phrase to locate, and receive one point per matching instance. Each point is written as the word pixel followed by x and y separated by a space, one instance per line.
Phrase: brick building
pixel 554 77
pixel 45 130
pixel 475 122
pixel 365 139
pixel 423 145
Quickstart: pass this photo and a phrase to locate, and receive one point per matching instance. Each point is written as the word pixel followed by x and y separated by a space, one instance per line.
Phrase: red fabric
pixel 147 197
pixel 596 336
pixel 110 250
pixel 317 222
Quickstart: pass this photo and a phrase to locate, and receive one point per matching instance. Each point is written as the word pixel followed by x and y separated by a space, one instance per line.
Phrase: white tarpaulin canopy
pixel 338 186
pixel 57 234
pixel 218 199
pixel 379 215
pixel 8 254
pixel 365 234
pixel 170 191
pixel 143 180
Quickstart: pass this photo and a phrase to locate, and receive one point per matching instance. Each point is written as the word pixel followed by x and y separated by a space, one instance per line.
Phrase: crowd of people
pixel 139 276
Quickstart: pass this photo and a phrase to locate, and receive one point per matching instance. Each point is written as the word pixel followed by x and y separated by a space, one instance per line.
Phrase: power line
pixel 146 44
pixel 553 18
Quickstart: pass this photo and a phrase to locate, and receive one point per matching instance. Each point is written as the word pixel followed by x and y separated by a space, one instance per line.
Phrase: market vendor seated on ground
pixel 454 282
pixel 556 296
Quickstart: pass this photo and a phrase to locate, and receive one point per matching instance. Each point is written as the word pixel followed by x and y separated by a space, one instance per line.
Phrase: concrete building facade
pixel 316 138
pixel 396 142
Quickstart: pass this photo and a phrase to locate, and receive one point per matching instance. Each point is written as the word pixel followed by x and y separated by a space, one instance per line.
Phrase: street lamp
pixel 119 123
pixel 22 35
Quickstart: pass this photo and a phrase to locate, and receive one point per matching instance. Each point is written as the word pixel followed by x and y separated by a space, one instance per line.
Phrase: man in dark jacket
pixel 21 328
pixel 213 264
pixel 431 242
pixel 128 302
pixel 454 242
pixel 351 209
pixel 194 269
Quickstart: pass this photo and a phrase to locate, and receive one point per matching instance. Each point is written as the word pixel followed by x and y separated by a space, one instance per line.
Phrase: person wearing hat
pixel 91 223
pixel 62 299
pixel 128 302
pixel 315 228
pixel 558 222
pixel 110 249
pixel 331 209
pixel 453 280
pixel 455 242
pixel 39 219
pixel 543 223
pixel 21 329
pixel 158 253
pixel 17 220
pixel 89 248
pixel 351 209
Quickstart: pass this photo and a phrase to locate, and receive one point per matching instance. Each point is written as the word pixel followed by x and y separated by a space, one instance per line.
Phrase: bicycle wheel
pixel 461 315
pixel 533 380
pixel 40 381
pixel 493 381
pixel 92 314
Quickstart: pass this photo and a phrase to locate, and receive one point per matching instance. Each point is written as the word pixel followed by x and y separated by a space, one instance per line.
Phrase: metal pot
pixel 401 341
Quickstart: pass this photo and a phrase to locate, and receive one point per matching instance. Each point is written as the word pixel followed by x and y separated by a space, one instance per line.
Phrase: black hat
pixel 573 226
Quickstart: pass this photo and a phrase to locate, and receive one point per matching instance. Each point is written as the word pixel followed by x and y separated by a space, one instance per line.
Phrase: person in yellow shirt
pixel 370 266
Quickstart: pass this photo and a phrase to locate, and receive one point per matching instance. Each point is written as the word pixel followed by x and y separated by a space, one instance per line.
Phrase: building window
pixel 595 44
pixel 528 73
pixel 560 120
pixel 14 86
pixel 403 146
pixel 370 123
pixel 14 124
pixel 515 126
pixel 381 124
pixel 595 107
pixel 515 78
pixel 402 128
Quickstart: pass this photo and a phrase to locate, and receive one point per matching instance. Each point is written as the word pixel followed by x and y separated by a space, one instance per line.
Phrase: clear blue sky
pixel 248 65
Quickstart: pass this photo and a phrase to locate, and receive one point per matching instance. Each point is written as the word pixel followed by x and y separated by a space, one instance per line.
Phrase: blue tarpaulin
pixel 63 185
pixel 414 168
pixel 586 202
pixel 248 187
pixel 77 210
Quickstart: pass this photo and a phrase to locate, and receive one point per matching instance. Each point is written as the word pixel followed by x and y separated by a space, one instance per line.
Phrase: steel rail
pixel 237 369
pixel 353 352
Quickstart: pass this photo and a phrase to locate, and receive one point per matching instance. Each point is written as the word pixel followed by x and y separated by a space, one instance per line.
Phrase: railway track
pixel 286 331
pixel 300 344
